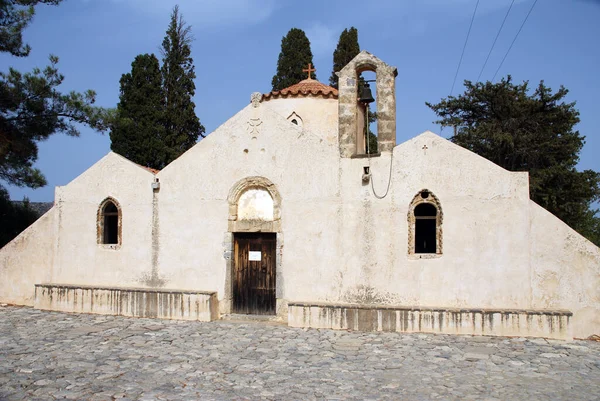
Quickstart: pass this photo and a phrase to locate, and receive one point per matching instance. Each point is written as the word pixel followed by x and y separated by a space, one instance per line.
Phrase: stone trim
pixel 295 116
pixel 132 302
pixel 240 226
pixel 130 289
pixel 464 321
pixel 228 254
pixel 417 200
pixel 235 225
pixel 100 224
pixel 366 155
pixel 385 86
pixel 318 304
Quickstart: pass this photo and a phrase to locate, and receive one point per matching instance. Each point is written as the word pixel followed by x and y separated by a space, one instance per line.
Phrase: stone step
pixel 476 321
pixel 133 302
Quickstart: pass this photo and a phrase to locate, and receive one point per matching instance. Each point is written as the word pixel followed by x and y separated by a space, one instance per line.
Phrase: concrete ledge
pixel 490 322
pixel 133 302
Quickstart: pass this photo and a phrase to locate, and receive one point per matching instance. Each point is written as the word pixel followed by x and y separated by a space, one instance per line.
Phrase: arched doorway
pixel 254 220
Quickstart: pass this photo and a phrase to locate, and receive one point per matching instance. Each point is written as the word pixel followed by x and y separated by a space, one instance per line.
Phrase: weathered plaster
pixel 342 243
pixel 134 302
pixel 28 259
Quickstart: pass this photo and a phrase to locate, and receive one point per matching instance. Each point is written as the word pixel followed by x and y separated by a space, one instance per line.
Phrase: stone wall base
pixel 133 302
pixel 489 322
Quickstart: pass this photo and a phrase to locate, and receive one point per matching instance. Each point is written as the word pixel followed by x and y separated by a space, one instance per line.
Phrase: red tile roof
pixel 152 170
pixel 304 88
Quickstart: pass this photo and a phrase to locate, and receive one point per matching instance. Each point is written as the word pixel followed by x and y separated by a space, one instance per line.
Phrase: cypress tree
pixel 347 48
pixel 294 57
pixel 138 132
pixel 182 126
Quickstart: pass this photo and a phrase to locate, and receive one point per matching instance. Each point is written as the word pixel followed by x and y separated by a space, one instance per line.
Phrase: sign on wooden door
pixel 254 273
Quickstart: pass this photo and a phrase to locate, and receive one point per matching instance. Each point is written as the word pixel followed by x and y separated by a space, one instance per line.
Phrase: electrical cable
pixel 462 54
pixel 464 47
pixel 515 39
pixel 495 40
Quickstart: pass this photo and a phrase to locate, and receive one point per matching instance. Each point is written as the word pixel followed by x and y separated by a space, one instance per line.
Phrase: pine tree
pixel 138 133
pixel 294 57
pixel 182 126
pixel 347 48
pixel 32 108
pixel 534 132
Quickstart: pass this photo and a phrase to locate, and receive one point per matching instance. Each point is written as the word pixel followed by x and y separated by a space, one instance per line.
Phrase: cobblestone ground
pixel 46 356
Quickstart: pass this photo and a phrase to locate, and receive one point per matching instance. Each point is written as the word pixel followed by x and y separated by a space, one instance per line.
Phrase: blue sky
pixel 237 43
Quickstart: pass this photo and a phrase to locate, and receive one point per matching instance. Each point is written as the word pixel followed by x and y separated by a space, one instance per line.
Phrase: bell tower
pixel 349 107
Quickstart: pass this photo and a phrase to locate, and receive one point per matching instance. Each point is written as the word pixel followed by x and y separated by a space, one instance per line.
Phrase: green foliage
pixel 156 120
pixel 138 133
pixel 182 126
pixel 32 109
pixel 373 142
pixel 15 15
pixel 15 217
pixel 31 106
pixel 535 132
pixel 294 57
pixel 347 48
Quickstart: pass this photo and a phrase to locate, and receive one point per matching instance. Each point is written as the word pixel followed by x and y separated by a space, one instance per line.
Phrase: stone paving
pixel 47 356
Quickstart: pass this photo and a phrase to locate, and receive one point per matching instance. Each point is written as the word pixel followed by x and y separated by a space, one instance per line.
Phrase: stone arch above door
pixel 236 224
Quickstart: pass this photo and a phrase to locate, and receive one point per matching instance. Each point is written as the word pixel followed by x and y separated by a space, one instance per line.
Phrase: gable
pixel 257 141
pixel 110 176
pixel 463 173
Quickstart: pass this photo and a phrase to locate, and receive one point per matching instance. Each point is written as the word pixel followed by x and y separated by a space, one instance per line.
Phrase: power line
pixel 464 47
pixel 462 54
pixel 515 39
pixel 495 40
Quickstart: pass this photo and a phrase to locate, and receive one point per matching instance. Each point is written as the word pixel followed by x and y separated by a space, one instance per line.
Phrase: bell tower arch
pixel 348 103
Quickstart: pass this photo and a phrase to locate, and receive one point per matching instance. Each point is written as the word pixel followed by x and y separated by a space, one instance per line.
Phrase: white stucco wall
pixel 565 271
pixel 302 165
pixel 79 259
pixel 337 241
pixel 28 259
pixel 485 227
pixel 318 114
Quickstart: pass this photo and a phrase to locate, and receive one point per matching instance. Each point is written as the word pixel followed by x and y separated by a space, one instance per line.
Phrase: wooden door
pixel 254 273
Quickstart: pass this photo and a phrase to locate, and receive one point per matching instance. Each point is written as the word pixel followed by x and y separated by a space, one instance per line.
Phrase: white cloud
pixel 323 38
pixel 208 13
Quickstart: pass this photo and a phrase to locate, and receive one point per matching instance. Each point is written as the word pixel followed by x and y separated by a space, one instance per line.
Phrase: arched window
pixel 255 204
pixel 425 238
pixel 425 225
pixel 295 119
pixel 109 222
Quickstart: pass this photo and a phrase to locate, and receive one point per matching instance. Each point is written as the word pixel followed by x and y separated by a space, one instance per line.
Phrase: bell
pixel 365 94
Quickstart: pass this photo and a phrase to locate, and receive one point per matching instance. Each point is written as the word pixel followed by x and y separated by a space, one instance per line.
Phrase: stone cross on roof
pixel 309 70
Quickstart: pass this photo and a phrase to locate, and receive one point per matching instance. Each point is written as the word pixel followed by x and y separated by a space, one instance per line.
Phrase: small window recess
pixel 295 119
pixel 425 226
pixel 109 221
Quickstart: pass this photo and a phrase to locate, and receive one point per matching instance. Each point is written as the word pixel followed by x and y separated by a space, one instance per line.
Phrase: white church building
pixel 280 212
